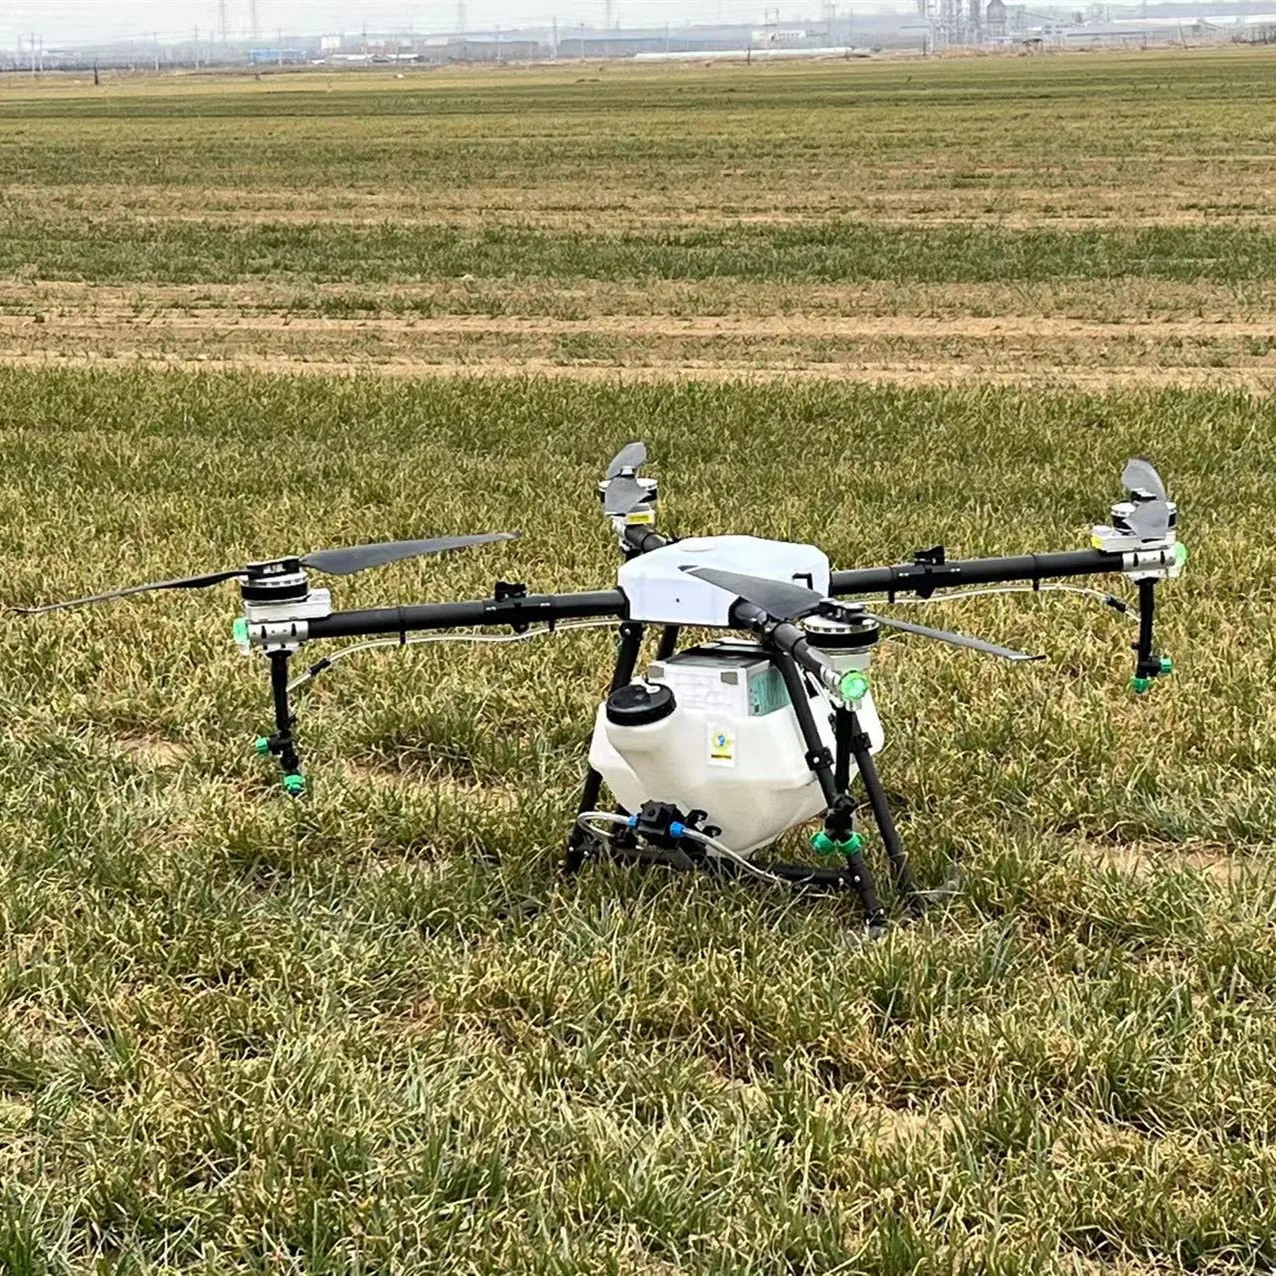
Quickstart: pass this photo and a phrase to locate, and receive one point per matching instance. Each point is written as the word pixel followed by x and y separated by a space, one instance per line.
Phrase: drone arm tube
pixel 641 540
pixel 527 609
pixel 786 638
pixel 924 578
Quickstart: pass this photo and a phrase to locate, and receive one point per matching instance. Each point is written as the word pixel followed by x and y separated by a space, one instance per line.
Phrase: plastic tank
pixel 712 729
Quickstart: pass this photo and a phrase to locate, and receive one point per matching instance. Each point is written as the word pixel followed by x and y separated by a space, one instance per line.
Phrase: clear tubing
pixel 1097 594
pixel 718 850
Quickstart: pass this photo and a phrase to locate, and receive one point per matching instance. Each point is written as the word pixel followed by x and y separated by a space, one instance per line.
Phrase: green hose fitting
pixel 261 745
pixel 294 785
pixel 1167 667
pixel 239 632
pixel 1140 685
pixel 822 844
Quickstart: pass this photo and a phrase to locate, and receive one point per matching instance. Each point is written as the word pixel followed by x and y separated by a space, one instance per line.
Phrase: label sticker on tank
pixel 721 746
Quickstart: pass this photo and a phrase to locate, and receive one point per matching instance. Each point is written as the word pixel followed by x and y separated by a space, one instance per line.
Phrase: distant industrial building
pixel 935 25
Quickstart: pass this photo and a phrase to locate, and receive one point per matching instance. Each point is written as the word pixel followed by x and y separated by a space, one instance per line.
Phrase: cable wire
pixel 1108 600
pixel 418 640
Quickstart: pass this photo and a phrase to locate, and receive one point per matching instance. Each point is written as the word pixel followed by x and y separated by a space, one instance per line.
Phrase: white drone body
pixel 659 592
pixel 730 745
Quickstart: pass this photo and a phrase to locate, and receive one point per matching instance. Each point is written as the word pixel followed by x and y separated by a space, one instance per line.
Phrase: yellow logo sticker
pixel 721 747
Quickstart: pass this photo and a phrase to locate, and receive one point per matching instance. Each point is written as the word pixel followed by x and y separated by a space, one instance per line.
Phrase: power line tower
pixel 223 22
pixel 460 17
pixel 608 14
pixel 252 19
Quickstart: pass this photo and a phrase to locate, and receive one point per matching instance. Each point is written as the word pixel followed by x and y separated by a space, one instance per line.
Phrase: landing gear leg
pixel 281 744
pixel 839 834
pixel 854 742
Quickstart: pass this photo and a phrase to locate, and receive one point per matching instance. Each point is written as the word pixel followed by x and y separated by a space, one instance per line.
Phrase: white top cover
pixel 659 592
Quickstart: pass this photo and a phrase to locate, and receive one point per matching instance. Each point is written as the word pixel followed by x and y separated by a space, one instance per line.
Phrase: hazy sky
pixel 60 20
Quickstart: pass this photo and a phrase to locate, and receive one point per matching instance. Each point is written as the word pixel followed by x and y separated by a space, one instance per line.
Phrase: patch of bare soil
pixel 151 752
pixel 1138 859
pixel 913 372
pixel 740 326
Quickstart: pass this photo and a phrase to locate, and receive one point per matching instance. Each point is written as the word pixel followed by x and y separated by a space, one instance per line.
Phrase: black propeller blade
pixel 345 562
pixel 952 639
pixel 184 582
pixel 332 562
pixel 787 601
pixel 779 598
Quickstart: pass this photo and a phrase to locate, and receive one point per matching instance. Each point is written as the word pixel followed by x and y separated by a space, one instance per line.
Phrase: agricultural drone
pixel 723 745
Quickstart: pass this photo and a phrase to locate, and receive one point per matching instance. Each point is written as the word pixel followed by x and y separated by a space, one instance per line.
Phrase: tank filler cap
pixel 639 705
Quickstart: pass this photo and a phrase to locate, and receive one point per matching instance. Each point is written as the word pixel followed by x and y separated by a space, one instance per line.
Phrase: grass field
pixel 245 1034
pixel 1105 220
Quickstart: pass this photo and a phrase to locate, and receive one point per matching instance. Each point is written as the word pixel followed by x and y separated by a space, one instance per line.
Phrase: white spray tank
pixel 712 729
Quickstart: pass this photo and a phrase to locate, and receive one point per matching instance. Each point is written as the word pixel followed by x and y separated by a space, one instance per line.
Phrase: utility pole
pixel 155 38
pixel 33 70
pixel 553 42
pixel 196 48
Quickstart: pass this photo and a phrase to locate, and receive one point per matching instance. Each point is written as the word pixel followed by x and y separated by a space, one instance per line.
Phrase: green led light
pixel 239 631
pixel 1180 553
pixel 854 686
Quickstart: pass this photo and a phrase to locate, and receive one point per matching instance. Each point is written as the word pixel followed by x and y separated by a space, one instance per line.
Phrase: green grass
pixel 829 252
pixel 244 1034
pixel 1156 167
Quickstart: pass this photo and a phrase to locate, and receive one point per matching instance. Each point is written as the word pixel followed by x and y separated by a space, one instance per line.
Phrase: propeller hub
pixel 841 627
pixel 280 580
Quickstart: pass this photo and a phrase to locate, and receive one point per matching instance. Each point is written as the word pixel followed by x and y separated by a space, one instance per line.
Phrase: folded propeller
pixel 622 492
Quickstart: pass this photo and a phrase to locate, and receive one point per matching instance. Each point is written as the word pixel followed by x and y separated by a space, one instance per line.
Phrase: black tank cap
pixel 637 705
